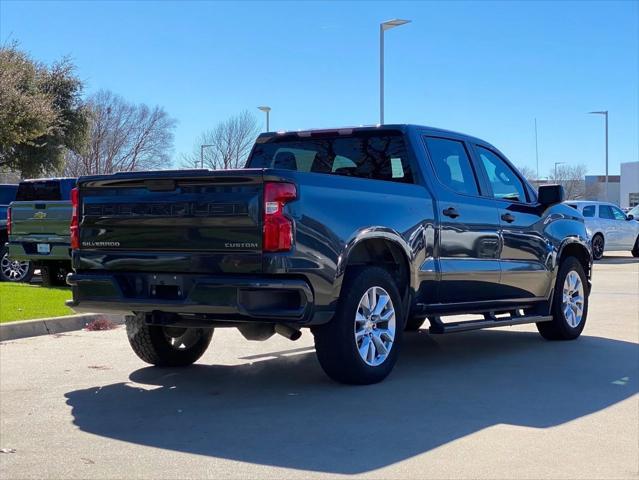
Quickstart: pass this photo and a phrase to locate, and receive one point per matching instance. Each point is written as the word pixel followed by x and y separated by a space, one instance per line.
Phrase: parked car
pixel 39 221
pixel 357 233
pixel 10 270
pixel 609 229
pixel 634 211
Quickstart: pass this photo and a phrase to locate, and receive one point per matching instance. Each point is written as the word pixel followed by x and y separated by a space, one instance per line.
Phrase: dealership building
pixel 623 189
pixel 629 185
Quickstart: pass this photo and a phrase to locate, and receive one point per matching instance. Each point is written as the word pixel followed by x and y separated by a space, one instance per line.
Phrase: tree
pixel 573 179
pixel 229 143
pixel 528 173
pixel 41 113
pixel 123 137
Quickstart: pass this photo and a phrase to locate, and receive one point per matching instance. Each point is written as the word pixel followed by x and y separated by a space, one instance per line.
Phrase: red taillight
pixel 75 221
pixel 278 229
pixel 9 221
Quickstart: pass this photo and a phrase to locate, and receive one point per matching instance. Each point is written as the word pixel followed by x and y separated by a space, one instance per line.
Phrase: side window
pixel 589 211
pixel 618 214
pixel 505 182
pixel 452 165
pixel 606 212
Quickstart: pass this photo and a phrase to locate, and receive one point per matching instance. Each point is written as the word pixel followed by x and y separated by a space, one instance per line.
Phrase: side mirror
pixel 549 195
pixel 630 217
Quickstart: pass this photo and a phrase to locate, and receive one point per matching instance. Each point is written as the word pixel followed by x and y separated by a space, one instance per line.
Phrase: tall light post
pixel 536 149
pixel 266 110
pixel 382 28
pixel 557 163
pixel 202 147
pixel 605 114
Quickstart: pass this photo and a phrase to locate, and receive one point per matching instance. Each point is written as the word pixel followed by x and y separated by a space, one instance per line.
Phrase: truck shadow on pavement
pixel 284 412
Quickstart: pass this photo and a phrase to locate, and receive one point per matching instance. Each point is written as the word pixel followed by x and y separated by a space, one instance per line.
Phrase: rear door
pixel 468 247
pixel 525 252
pixel 611 227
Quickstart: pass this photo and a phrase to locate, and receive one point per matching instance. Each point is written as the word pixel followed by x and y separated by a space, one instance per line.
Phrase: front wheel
pixel 569 303
pixel 361 343
pixel 166 346
pixel 635 249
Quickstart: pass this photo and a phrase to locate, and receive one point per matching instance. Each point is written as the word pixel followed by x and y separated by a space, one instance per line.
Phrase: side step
pixel 489 321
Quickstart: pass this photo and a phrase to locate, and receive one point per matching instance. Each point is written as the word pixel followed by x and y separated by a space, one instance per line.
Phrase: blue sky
pixel 483 68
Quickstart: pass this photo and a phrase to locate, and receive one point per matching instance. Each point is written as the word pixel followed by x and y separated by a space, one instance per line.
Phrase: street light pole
pixel 536 149
pixel 605 114
pixel 267 110
pixel 382 28
pixel 202 147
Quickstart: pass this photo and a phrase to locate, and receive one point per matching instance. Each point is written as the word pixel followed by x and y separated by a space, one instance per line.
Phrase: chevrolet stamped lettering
pixel 180 209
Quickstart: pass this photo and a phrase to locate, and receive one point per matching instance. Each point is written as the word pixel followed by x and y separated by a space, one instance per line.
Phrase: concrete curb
pixel 50 326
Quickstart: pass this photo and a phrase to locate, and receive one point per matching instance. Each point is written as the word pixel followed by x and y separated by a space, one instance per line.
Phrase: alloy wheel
pixel 375 326
pixel 13 270
pixel 572 304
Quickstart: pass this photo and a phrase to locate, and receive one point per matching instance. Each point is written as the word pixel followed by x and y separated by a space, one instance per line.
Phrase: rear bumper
pixel 224 298
pixel 29 251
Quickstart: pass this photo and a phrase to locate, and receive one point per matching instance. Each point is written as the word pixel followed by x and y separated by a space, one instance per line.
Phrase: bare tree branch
pixel 572 177
pixel 123 137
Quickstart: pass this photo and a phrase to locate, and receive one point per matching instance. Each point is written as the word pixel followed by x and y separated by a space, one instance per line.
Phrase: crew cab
pixel 356 233
pixel 38 224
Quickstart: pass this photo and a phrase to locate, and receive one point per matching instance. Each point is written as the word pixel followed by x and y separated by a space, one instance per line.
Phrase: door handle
pixel 507 217
pixel 451 212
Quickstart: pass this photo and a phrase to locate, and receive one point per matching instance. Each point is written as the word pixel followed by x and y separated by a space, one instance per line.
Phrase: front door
pixel 469 244
pixel 526 254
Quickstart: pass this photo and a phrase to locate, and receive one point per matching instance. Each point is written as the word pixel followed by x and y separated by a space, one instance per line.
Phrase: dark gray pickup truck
pixel 357 233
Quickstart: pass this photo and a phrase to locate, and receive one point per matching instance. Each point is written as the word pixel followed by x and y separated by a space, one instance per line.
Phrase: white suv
pixel 608 227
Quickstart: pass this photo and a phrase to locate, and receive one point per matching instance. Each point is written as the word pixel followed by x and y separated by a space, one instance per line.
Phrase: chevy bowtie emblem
pixel 40 215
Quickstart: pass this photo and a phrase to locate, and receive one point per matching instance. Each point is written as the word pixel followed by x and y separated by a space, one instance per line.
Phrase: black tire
pixel 635 249
pixel 152 344
pixel 414 323
pixel 559 328
pixel 335 342
pixel 53 276
pixel 598 244
pixel 8 273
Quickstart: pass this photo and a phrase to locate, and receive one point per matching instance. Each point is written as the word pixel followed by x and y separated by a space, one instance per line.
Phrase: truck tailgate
pixel 172 221
pixel 41 218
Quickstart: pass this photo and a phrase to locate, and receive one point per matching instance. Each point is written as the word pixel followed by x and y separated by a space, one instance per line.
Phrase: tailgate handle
pixel 160 185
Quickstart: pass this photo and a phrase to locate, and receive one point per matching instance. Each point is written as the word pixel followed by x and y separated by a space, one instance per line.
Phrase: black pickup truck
pixel 357 233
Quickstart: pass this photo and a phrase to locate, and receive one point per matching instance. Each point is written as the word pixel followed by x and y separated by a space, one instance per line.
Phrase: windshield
pixel 45 190
pixel 374 155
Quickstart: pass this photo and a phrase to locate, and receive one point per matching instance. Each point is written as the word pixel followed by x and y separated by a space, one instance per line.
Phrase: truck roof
pixel 403 127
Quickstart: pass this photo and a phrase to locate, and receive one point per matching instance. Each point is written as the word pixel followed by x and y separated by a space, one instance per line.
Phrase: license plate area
pixel 166 287
pixel 43 248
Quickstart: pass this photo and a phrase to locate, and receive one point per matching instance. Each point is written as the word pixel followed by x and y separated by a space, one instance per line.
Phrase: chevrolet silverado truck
pixel 10 270
pixel 38 222
pixel 356 233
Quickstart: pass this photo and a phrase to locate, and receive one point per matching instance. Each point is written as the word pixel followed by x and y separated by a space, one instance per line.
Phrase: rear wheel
pixel 53 276
pixel 635 249
pixel 360 345
pixel 14 270
pixel 597 246
pixel 569 303
pixel 166 346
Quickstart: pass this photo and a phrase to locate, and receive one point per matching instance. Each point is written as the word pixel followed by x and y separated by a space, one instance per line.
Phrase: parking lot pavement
pixel 491 404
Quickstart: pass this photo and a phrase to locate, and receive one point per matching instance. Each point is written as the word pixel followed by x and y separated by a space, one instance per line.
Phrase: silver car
pixel 609 229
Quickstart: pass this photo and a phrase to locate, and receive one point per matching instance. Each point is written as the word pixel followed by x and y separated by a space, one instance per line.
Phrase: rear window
pixel 589 211
pixel 374 155
pixel 45 190
pixel 7 194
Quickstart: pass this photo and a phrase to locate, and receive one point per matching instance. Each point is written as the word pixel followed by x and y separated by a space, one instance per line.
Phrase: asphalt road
pixel 488 404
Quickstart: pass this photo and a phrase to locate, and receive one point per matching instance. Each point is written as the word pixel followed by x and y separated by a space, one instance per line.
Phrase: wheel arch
pixel 578 249
pixel 367 247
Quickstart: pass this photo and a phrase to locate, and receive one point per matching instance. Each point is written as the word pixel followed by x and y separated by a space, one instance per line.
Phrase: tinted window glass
pixel 589 211
pixel 376 155
pixel 452 165
pixel 45 190
pixel 618 214
pixel 505 182
pixel 7 194
pixel 606 212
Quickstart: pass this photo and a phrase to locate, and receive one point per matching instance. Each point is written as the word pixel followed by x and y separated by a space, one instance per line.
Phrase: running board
pixel 489 321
